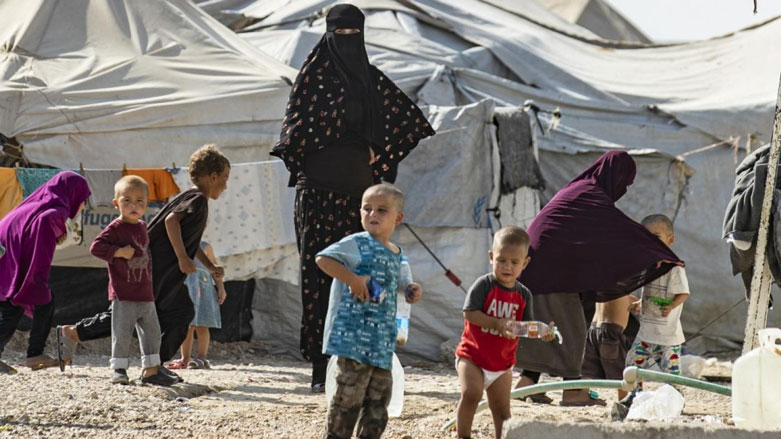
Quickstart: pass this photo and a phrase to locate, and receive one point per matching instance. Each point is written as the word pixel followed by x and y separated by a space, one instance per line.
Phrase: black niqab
pixel 351 63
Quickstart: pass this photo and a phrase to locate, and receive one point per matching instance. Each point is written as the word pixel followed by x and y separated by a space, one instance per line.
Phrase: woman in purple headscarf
pixel 581 243
pixel 29 235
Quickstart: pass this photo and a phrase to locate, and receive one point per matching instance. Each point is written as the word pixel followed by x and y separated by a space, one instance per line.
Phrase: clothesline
pixel 734 141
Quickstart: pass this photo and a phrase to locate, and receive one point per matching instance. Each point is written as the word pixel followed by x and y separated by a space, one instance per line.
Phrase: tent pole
pixel 761 281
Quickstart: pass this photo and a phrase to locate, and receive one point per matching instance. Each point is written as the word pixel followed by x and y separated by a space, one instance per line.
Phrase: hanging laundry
pixel 161 184
pixel 10 191
pixel 101 183
pixel 255 212
pixel 519 166
pixel 33 178
pixel 181 177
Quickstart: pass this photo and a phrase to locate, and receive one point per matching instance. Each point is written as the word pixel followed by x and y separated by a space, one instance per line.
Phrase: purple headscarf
pixel 582 243
pixel 29 234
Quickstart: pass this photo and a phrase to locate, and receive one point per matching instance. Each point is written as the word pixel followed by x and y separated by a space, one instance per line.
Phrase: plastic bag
pixel 664 403
pixel 692 366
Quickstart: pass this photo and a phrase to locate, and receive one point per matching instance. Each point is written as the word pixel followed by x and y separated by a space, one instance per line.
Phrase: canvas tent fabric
pixel 148 81
pixel 659 101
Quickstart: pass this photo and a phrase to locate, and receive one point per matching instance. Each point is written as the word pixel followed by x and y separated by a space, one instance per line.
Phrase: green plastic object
pixel 646 375
pixel 661 302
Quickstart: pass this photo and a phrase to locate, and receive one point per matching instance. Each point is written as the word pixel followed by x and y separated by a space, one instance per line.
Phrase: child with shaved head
pixel 486 355
pixel 659 307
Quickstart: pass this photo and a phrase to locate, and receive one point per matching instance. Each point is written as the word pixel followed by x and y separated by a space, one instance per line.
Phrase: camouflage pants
pixel 362 394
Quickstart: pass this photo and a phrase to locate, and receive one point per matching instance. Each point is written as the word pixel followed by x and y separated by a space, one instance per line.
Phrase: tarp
pixel 660 101
pixel 148 81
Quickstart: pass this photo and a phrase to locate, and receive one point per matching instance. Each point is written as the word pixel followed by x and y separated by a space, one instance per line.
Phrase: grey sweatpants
pixel 125 315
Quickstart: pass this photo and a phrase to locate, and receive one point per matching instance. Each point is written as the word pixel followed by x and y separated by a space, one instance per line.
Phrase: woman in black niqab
pixel 346 127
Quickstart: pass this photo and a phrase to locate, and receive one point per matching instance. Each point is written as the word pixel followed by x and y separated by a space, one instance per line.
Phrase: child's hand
pixel 666 310
pixel 218 272
pixel 125 252
pixel 415 292
pixel 221 295
pixel 549 335
pixel 62 238
pixel 358 288
pixel 187 266
pixel 504 326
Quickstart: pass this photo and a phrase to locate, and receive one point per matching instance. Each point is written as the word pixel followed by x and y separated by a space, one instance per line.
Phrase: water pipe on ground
pixel 628 384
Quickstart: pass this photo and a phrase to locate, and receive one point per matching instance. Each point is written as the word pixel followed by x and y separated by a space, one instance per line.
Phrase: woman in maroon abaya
pixel 582 244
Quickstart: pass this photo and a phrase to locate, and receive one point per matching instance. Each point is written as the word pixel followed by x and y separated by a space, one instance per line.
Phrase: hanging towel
pixel 101 183
pixel 33 178
pixel 161 184
pixel 256 212
pixel 182 178
pixel 519 166
pixel 10 191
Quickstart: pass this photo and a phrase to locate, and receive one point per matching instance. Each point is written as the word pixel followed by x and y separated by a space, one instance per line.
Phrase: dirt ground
pixel 250 393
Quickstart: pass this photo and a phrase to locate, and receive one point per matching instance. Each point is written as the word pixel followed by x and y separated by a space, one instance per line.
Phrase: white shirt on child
pixel 655 328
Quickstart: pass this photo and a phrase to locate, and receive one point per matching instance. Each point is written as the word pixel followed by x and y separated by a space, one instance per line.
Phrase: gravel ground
pixel 249 393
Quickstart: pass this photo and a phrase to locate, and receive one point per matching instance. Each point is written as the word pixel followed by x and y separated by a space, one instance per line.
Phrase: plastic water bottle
pixel 403 309
pixel 532 329
pixel 756 380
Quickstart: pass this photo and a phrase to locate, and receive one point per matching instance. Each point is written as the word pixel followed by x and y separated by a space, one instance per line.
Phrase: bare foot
pixel 539 398
pixel 69 331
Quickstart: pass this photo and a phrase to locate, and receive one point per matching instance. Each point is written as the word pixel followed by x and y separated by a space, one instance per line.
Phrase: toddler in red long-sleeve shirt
pixel 124 245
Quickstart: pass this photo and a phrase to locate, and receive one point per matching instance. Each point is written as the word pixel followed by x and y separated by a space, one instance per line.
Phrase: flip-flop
pixel 43 362
pixel 66 348
pixel 587 403
pixel 540 398
pixel 6 369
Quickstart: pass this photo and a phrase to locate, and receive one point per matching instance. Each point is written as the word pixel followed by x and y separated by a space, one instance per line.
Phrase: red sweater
pixel 128 279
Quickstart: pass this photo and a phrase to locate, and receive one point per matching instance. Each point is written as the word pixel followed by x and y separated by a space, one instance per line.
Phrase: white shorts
pixel 488 376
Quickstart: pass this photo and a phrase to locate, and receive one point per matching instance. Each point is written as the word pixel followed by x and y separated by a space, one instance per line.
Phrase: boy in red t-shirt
pixel 486 355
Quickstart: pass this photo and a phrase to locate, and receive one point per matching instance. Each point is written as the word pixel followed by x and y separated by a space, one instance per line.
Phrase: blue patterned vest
pixel 366 331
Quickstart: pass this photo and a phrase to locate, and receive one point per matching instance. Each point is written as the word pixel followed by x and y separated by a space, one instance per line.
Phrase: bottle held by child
pixel 403 308
pixel 532 329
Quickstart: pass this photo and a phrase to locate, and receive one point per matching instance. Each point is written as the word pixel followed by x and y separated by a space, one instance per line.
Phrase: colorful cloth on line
pixel 33 178
pixel 161 184
pixel 101 183
pixel 10 191
pixel 204 296
pixel 363 331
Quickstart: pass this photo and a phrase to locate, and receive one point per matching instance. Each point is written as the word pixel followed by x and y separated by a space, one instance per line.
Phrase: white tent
pixel 139 82
pixel 673 99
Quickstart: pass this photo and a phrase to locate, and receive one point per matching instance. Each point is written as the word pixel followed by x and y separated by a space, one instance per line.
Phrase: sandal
pixel 66 348
pixel 176 364
pixel 540 398
pixel 195 363
pixel 6 369
pixel 39 362
pixel 584 403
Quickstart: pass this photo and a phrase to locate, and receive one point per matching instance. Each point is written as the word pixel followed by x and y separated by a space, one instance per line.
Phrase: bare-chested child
pixel 606 345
